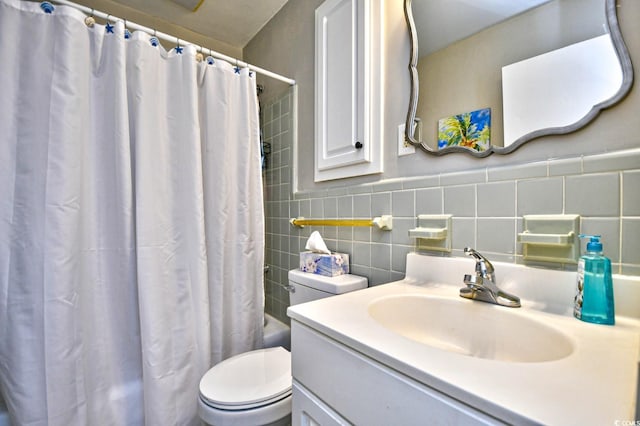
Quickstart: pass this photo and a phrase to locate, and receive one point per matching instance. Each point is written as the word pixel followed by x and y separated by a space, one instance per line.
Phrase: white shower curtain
pixel 131 222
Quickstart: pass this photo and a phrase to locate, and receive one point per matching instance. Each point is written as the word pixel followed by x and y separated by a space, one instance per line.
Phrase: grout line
pixel 620 221
pixel 564 194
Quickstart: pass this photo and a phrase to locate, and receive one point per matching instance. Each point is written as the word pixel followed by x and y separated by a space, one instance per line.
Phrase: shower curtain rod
pixel 173 39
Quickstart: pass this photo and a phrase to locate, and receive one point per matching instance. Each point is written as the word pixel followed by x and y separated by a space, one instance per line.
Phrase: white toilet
pixel 254 388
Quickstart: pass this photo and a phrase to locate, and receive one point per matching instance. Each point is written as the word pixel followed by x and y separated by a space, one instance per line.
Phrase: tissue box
pixel 329 265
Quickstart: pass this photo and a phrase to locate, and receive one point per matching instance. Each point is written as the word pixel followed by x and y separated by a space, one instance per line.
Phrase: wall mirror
pixel 488 76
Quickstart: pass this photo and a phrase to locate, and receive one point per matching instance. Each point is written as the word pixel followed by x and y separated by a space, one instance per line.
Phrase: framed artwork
pixel 471 130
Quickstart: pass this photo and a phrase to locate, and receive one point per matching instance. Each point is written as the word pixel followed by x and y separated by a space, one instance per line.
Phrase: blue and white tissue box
pixel 329 265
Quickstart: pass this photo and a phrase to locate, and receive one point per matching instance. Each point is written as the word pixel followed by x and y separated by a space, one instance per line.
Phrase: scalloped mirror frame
pixel 627 81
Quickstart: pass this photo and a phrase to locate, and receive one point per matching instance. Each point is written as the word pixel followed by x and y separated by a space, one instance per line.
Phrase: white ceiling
pixel 234 22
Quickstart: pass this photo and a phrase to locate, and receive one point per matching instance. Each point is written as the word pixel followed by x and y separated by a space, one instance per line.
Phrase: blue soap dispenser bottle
pixel 594 286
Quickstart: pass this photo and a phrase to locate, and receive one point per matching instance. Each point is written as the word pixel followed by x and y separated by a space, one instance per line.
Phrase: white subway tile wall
pixel 487 205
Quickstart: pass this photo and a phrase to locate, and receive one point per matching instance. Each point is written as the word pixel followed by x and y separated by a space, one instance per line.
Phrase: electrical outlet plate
pixel 404 147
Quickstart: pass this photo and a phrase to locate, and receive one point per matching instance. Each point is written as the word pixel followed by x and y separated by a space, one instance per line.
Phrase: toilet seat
pixel 248 380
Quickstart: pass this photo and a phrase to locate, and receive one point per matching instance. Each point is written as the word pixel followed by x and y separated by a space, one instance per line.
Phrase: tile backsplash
pixel 487 205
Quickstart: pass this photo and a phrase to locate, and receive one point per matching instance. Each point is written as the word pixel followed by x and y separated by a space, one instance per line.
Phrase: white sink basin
pixel 470 328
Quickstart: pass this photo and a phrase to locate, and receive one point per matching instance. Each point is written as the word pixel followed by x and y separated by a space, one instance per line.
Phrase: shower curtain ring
pixel 90 21
pixel 108 27
pixel 178 48
pixel 154 40
pixel 127 33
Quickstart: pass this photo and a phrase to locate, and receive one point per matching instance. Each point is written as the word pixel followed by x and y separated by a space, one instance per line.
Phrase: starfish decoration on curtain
pixel 236 69
pixel 179 49
pixel 109 28
pixel 47 7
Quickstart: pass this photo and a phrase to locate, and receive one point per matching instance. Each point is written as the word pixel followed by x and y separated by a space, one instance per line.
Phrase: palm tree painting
pixel 471 130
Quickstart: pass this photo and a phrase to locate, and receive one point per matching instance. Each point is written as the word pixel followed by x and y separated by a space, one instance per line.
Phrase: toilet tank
pixel 305 286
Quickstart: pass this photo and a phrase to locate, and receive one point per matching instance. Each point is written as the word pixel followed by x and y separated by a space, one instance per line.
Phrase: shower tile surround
pixel 487 205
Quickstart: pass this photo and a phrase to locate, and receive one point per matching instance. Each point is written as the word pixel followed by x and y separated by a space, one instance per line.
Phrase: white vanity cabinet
pixel 348 89
pixel 336 385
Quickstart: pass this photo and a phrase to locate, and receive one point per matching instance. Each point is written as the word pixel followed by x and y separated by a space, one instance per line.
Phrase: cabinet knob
pixel 358 145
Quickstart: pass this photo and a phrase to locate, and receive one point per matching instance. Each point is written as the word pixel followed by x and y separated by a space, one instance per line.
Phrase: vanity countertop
pixel 595 384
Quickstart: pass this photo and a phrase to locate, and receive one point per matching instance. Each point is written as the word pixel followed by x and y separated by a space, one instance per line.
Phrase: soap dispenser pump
pixel 594 288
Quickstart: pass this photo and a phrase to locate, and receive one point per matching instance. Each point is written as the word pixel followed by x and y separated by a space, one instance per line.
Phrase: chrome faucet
pixel 482 286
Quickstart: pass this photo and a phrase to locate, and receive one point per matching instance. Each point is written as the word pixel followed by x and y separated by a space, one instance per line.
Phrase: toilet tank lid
pixel 334 285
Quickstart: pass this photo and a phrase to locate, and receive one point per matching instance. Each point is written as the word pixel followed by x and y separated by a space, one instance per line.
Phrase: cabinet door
pixel 347 75
pixel 308 410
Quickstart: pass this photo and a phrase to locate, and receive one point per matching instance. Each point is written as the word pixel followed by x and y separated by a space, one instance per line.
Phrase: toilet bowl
pixel 254 388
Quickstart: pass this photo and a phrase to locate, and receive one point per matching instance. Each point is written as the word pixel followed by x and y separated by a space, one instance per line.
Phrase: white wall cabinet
pixel 348 89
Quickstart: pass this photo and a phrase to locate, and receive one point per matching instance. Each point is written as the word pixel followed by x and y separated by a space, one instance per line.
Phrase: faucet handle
pixel 482 263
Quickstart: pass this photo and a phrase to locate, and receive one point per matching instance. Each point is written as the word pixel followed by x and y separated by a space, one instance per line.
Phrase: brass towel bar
pixel 384 222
